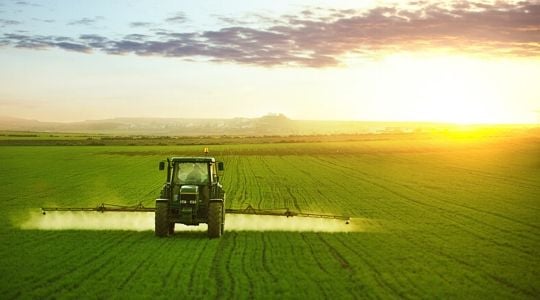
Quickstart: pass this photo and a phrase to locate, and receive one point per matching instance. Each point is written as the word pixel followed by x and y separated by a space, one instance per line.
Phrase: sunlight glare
pixel 452 89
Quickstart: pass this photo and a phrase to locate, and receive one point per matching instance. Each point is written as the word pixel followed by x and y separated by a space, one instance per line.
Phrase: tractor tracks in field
pixel 294 199
pixel 267 167
pixel 454 213
pixel 467 207
pixel 225 280
pixel 196 264
pixel 316 257
pixel 456 222
pixel 177 271
pixel 111 262
pixel 265 257
pixel 475 269
pixel 432 252
pixel 138 266
pixel 410 282
pixel 331 202
pixel 89 261
pixel 172 266
pixel 259 190
pixel 73 260
pixel 308 203
pixel 245 267
pixel 164 247
pixel 238 195
pixel 505 178
pixel 314 254
pixel 36 242
pixel 344 263
pixel 370 178
pixel 377 275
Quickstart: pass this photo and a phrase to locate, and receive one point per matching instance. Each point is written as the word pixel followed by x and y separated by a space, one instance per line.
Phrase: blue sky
pixel 464 62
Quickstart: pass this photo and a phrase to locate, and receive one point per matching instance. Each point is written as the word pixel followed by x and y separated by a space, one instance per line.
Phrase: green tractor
pixel 191 195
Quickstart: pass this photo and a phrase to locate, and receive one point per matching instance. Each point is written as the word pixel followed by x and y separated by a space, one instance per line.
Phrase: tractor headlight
pixel 183 201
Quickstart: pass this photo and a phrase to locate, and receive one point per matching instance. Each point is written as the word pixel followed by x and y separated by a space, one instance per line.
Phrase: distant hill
pixel 277 124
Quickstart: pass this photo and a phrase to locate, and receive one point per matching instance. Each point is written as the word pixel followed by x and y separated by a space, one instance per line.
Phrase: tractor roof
pixel 203 159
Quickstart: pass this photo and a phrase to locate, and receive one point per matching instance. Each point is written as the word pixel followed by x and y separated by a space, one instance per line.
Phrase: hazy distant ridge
pixel 266 125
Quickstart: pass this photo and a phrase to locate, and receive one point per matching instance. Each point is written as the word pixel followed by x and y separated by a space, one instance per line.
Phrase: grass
pixel 460 218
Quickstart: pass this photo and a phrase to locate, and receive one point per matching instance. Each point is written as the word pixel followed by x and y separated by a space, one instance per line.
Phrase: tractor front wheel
pixel 162 224
pixel 215 219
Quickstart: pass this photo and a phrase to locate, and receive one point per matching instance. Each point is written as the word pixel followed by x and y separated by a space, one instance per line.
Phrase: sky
pixel 444 61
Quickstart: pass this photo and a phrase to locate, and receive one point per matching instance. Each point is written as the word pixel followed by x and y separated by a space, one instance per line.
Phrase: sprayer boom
pixel 250 210
pixel 103 208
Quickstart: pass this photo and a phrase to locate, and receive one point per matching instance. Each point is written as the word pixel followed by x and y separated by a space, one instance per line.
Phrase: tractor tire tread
pixel 161 222
pixel 215 219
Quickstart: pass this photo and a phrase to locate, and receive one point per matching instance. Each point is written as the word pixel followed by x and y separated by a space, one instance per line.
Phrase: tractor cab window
pixel 191 173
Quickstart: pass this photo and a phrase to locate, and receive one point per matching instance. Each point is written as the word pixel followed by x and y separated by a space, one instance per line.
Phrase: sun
pixel 462 97
pixel 448 89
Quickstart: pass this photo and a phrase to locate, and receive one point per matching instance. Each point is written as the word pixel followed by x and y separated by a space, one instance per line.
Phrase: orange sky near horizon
pixel 459 62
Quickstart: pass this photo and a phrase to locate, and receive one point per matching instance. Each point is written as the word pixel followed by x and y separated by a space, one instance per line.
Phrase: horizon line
pixel 283 115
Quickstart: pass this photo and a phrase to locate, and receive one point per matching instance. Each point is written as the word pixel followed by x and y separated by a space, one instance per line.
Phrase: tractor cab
pixel 191 192
pixel 192 180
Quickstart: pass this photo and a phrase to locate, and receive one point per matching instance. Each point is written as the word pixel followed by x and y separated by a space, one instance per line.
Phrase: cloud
pixel 38 42
pixel 44 20
pixel 6 22
pixel 93 41
pixel 140 24
pixel 179 17
pixel 318 37
pixel 231 21
pixel 86 21
pixel 73 47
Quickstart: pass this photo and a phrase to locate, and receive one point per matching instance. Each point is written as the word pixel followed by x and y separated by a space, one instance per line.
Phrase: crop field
pixel 450 217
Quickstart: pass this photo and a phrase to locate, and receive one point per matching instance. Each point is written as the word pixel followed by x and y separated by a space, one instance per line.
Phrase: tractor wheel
pixel 162 224
pixel 223 215
pixel 222 222
pixel 215 219
pixel 171 228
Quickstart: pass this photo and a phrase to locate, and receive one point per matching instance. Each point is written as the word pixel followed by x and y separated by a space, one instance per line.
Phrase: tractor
pixel 191 195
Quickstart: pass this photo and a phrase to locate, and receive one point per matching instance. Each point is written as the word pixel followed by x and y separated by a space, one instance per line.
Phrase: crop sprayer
pixel 192 195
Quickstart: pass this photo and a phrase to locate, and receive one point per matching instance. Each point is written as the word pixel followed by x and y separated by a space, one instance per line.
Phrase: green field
pixel 458 218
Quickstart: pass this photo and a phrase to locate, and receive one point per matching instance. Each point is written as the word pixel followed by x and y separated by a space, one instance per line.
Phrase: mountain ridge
pixel 276 124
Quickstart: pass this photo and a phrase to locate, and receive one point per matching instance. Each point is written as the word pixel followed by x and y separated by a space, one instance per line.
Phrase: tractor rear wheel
pixel 171 228
pixel 215 219
pixel 222 221
pixel 162 224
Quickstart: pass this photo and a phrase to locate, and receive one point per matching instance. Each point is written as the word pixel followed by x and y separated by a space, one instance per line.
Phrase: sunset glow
pixel 458 62
pixel 457 89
